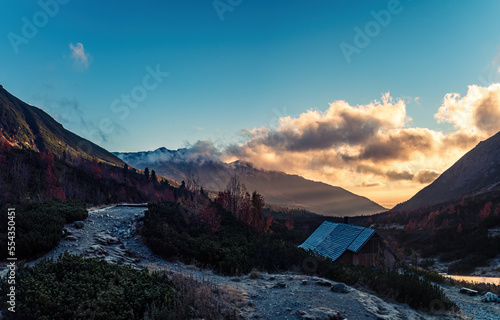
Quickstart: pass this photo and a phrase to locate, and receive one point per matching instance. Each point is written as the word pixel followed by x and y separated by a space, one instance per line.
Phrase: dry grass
pixel 197 298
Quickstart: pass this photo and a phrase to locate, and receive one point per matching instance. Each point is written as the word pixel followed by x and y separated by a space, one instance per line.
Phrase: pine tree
pixel 125 170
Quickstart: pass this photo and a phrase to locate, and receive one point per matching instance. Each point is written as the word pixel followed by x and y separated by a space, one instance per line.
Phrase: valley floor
pixel 111 234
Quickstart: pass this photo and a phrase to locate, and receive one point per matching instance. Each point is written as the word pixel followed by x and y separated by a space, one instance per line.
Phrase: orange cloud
pixel 350 146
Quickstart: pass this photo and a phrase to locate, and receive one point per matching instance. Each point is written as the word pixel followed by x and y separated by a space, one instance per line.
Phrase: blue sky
pixel 238 69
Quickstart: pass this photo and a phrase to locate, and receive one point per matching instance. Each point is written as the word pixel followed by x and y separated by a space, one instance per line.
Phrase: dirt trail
pixel 112 234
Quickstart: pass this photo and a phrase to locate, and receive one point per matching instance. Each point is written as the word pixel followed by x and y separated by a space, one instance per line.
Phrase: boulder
pixel 490 297
pixel 71 238
pixel 78 224
pixel 320 313
pixel 469 292
pixel 97 251
pixel 106 239
pixel 340 288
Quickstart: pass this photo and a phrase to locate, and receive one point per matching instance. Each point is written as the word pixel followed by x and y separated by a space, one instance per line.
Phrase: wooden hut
pixel 353 245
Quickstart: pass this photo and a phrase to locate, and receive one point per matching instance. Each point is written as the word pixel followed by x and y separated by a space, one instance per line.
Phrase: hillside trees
pixel 454 230
pixel 245 207
pixel 33 176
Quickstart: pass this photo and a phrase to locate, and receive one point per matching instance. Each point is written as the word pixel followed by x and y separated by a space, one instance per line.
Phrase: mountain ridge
pixel 29 127
pixel 278 188
pixel 476 171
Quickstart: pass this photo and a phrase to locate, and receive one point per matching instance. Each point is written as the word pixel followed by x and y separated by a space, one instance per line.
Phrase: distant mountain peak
pixel 277 187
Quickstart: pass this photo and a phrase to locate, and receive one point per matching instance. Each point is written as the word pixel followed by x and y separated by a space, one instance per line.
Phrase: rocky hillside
pixel 477 171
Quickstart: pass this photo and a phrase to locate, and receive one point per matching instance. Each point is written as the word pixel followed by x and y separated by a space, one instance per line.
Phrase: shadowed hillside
pixel 477 171
pixel 29 127
pixel 278 188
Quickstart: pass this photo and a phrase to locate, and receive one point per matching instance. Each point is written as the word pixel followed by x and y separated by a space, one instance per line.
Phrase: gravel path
pixel 111 233
pixel 473 307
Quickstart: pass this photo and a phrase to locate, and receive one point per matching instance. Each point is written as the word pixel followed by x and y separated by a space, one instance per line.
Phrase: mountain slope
pixel 29 127
pixel 278 188
pixel 477 170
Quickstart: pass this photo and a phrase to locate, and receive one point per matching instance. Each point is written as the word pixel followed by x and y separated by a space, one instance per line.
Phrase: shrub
pixel 237 249
pixel 406 287
pixel 39 225
pixel 73 287
pixel 254 274
pixel 427 263
pixel 467 264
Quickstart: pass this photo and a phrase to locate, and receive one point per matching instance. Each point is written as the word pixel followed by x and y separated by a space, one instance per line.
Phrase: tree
pixel 96 169
pixel 146 173
pixel 153 177
pixel 236 191
pixel 259 222
pixel 210 218
pixel 486 211
pixel 289 223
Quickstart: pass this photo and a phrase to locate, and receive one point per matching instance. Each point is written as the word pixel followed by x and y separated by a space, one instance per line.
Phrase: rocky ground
pixel 111 233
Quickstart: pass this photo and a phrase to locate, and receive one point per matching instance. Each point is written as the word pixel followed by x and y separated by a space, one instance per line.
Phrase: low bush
pixel 433 276
pixel 236 249
pixel 468 264
pixel 73 287
pixel 407 287
pixel 39 226
pixel 77 288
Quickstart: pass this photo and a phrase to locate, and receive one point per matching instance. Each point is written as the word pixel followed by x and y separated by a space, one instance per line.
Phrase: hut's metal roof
pixel 333 239
pixel 361 239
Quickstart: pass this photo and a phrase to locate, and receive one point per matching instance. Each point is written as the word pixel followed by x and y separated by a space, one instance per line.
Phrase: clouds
pixel 427 176
pixel 353 146
pixel 366 184
pixel 340 125
pixel 477 112
pixel 201 151
pixel 80 57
